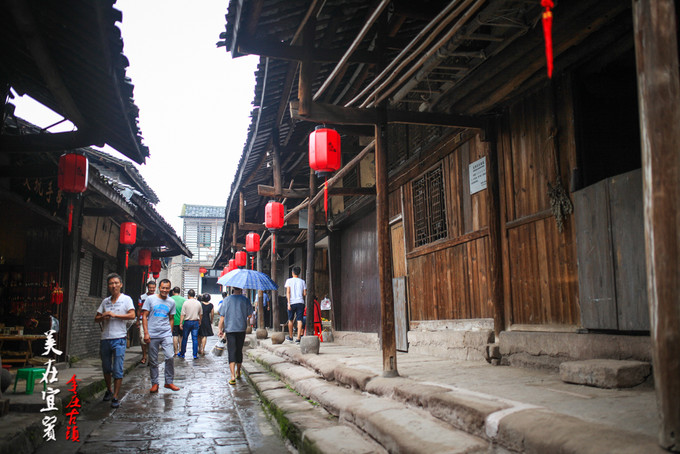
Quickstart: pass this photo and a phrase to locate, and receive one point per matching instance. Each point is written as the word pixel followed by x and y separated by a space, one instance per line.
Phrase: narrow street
pixel 206 415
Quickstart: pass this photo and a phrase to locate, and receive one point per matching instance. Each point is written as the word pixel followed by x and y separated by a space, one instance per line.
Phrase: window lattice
pixel 429 208
pixel 204 233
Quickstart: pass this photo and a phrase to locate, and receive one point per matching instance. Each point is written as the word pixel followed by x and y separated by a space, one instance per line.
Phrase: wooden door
pixel 399 287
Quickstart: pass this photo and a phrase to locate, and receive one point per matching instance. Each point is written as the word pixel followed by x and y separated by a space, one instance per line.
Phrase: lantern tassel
pixel 273 243
pixel 325 198
pixel 547 34
pixel 70 216
pixel 127 257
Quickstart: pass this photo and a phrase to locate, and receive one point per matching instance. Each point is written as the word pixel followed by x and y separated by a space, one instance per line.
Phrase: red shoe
pixel 171 386
pixel 154 388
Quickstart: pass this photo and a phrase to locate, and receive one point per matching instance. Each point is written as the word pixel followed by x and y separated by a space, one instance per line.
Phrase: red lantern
pixel 324 150
pixel 156 267
pixel 72 178
pixel 252 242
pixel 202 271
pixel 252 246
pixel 324 156
pixel 225 270
pixel 128 237
pixel 241 259
pixel 144 257
pixel 232 265
pixel 273 219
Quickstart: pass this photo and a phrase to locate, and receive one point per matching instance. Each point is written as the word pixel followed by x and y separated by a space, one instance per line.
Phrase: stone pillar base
pixel 309 344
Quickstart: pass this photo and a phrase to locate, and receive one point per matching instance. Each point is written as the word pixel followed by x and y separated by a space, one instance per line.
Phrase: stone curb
pixel 395 425
pixel 309 427
pixel 511 425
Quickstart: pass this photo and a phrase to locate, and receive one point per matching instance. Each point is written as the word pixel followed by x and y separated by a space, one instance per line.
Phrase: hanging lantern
pixel 324 150
pixel 324 156
pixel 202 271
pixel 547 34
pixel 252 242
pixel 144 257
pixel 72 178
pixel 128 237
pixel 156 268
pixel 241 259
pixel 273 219
pixel 232 265
pixel 252 246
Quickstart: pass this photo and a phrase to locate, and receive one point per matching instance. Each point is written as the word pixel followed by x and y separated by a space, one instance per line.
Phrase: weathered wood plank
pixel 628 251
pixel 595 265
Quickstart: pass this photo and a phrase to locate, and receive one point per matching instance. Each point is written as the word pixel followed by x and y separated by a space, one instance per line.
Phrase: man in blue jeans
pixel 192 311
pixel 112 314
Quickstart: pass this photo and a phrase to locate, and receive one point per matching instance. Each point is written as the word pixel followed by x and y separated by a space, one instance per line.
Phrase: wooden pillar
pixel 260 305
pixel 311 241
pixel 275 293
pixel 388 337
pixel 305 79
pixel 276 161
pixel 495 264
pixel 656 54
pixel 70 268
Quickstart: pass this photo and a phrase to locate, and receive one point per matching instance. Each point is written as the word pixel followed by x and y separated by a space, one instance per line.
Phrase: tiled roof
pixel 202 211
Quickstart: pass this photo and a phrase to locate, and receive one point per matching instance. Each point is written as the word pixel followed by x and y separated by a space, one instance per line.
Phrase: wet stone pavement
pixel 206 415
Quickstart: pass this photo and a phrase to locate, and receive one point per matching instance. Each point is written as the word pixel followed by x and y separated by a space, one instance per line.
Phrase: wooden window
pixel 429 207
pixel 204 234
pixel 97 277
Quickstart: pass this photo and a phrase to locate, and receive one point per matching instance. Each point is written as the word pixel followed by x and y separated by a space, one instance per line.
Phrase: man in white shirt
pixel 113 313
pixel 158 317
pixel 296 290
pixel 192 311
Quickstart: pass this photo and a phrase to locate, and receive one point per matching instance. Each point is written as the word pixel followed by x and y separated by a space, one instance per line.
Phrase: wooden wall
pixel 539 263
pixel 448 279
pixel 358 308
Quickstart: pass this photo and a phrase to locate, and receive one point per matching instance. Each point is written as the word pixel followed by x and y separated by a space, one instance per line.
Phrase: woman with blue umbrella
pixel 234 314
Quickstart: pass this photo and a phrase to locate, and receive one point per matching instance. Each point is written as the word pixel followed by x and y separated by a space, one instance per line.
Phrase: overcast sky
pixel 194 100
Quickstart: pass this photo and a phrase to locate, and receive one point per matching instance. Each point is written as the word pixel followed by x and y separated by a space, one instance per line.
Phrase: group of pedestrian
pixel 166 319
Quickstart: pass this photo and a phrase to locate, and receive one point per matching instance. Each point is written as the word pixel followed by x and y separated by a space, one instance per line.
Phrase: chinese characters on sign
pixel 477 176
pixel 74 410
pixel 49 396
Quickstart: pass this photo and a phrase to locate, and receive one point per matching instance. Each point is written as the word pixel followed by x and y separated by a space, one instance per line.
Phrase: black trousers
pixel 235 346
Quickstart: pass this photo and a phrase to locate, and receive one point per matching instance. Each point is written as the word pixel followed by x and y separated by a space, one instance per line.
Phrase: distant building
pixel 202 233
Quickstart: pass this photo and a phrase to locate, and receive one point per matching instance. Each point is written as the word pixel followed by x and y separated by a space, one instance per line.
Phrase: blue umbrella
pixel 247 279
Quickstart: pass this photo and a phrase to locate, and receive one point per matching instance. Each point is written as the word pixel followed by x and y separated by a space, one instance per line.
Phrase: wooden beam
pixel 247 226
pixel 270 191
pixel 329 113
pixel 29 171
pixel 283 51
pixel 101 212
pixel 387 326
pixel 59 141
pixel 351 191
pixel 656 54
pixel 241 209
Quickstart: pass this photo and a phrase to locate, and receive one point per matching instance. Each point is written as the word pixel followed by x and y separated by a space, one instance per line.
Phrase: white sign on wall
pixel 477 176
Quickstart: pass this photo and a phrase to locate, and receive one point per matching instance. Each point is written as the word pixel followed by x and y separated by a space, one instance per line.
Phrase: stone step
pixel 393 426
pixel 605 373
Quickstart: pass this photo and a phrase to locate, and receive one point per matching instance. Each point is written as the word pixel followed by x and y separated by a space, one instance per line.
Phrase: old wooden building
pixel 68 57
pixel 480 200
